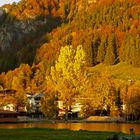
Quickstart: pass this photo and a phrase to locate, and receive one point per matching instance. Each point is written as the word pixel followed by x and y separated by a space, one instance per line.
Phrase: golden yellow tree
pixel 18 84
pixel 105 93
pixel 99 94
pixel 133 99
pixel 67 73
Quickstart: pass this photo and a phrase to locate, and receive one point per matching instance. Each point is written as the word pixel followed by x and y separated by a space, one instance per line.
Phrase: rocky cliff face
pixel 17 30
pixel 22 25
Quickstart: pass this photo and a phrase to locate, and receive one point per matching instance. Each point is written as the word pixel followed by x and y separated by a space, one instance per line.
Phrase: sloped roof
pixel 8 91
pixel 39 95
pixel 7 112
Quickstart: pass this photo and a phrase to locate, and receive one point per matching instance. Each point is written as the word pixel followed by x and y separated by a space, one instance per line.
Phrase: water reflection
pixel 116 127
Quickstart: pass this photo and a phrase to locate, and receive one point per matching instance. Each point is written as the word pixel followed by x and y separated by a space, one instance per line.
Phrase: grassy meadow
pixel 51 134
pixel 120 71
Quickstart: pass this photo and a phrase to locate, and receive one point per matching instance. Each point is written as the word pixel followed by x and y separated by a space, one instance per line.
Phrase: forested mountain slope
pixel 21 28
pixel 33 34
pixel 108 30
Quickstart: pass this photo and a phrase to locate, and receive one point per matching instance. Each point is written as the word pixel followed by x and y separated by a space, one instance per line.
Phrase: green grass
pixel 51 134
pixel 120 71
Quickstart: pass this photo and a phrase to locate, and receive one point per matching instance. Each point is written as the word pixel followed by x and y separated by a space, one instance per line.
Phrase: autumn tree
pixel 133 99
pixel 67 74
pixel 37 83
pixel 105 92
pixel 87 98
pixel 99 94
pixel 20 83
pixel 49 105
pixel 2 81
pixel 20 97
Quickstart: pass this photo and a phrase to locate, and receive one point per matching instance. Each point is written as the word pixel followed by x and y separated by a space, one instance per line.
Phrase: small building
pixel 73 113
pixel 9 107
pixel 8 116
pixel 7 92
pixel 9 95
pixel 34 103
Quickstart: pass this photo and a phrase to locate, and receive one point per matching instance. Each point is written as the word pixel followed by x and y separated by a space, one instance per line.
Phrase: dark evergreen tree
pixel 89 51
pixel 122 51
pixel 127 50
pixel 118 101
pixel 65 9
pixel 110 52
pixel 73 10
pixel 136 52
pixel 101 50
pixel 132 51
pixel 95 45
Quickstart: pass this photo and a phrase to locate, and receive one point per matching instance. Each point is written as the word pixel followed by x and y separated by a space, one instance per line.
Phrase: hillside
pixel 21 29
pixel 72 48
pixel 120 71
pixel 106 36
pixel 33 32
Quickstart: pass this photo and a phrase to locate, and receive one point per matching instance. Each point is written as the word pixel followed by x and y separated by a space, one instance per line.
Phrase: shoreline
pixel 36 120
pixel 75 125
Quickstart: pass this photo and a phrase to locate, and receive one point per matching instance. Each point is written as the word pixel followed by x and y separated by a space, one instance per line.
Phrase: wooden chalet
pixel 7 91
pixel 8 116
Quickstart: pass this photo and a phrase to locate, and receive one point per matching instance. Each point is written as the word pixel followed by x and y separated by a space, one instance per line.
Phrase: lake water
pixel 115 127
